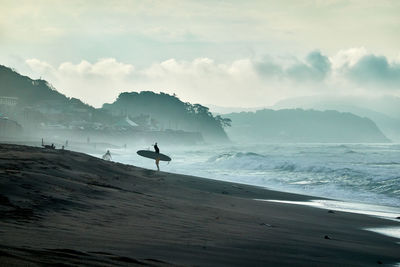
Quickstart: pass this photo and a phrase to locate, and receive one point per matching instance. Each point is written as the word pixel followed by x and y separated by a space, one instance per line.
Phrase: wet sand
pixel 68 208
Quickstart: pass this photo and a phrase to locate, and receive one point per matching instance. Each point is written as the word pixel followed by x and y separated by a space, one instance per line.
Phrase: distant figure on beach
pixel 157 150
pixel 107 156
pixel 48 146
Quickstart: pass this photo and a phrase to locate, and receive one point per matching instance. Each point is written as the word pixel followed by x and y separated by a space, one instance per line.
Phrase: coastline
pixel 61 206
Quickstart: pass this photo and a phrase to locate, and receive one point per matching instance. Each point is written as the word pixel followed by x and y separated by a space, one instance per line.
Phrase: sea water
pixel 360 178
pixel 365 173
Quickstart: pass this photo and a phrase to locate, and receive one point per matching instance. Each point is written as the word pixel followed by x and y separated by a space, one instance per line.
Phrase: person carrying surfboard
pixel 157 150
pixel 154 155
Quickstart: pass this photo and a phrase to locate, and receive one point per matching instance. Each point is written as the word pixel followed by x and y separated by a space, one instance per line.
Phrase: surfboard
pixel 153 155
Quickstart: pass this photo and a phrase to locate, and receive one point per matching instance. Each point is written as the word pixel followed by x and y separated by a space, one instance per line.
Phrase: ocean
pixel 362 173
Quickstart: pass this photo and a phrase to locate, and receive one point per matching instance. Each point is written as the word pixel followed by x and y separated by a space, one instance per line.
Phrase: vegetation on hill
pixel 40 103
pixel 170 112
pixel 33 92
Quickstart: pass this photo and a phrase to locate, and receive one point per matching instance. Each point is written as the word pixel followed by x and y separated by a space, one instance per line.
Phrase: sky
pixel 226 53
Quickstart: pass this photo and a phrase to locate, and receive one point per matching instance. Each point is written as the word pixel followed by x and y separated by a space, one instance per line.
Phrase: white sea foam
pixel 385 212
pixel 389 231
pixel 389 213
pixel 355 172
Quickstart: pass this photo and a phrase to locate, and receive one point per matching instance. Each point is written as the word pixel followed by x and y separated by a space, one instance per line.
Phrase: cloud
pixel 315 68
pixel 241 82
pixel 165 34
pixel 107 67
pixel 268 68
pixel 199 67
pixel 348 57
pixel 376 71
pixel 94 83
pixel 153 31
pixel 41 67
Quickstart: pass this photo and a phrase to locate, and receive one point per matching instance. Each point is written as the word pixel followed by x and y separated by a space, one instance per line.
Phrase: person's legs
pixel 157 161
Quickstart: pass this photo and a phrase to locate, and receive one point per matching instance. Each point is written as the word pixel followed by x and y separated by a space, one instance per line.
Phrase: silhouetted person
pixel 157 150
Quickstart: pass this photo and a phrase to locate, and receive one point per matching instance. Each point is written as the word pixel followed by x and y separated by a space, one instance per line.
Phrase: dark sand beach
pixel 67 208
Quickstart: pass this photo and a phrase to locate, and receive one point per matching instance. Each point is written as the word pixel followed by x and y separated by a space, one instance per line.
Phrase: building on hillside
pixel 8 101
pixel 7 105
pixel 126 124
pixel 50 107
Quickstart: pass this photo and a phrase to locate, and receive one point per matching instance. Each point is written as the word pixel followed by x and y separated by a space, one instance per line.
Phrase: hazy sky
pixel 228 53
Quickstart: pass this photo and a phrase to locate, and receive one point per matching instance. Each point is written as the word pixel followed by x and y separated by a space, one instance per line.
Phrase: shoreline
pixel 378 211
pixel 328 172
pixel 58 205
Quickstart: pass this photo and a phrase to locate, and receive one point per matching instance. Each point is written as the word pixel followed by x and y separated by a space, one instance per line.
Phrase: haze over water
pixel 294 96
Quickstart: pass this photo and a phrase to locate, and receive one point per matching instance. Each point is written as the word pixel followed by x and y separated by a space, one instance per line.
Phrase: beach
pixel 64 207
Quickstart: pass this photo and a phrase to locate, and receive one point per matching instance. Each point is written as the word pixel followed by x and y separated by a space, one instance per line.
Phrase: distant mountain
pixel 226 110
pixel 298 125
pixel 169 112
pixel 384 111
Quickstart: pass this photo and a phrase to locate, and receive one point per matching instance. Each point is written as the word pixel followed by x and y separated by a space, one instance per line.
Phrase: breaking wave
pixel 356 172
pixel 345 174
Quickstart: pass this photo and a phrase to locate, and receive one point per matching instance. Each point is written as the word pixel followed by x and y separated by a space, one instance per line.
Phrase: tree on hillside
pixel 170 112
pixel 224 122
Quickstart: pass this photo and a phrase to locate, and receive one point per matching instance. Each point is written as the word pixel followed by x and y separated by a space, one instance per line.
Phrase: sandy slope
pixel 70 208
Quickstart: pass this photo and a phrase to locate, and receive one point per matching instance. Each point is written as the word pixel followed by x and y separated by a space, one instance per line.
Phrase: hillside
pixel 37 102
pixel 297 125
pixel 40 107
pixel 169 112
pixel 33 92
pixel 384 110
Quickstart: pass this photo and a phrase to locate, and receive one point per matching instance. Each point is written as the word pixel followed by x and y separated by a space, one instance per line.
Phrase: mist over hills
pixel 41 107
pixel 297 125
pixel 170 112
pixel 226 110
pixel 384 111
pixel 33 92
